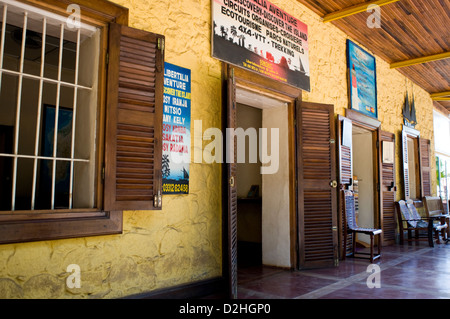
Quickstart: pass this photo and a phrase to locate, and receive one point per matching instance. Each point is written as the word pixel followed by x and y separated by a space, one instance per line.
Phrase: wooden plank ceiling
pixel 410 29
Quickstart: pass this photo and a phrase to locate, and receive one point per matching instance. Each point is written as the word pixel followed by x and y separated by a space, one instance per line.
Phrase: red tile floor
pixel 410 271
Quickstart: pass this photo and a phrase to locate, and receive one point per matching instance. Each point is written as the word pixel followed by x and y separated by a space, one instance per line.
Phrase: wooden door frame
pixel 374 126
pixel 256 83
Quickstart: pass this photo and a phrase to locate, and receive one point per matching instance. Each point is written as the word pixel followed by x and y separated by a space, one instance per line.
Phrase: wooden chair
pixel 434 207
pixel 353 228
pixel 410 220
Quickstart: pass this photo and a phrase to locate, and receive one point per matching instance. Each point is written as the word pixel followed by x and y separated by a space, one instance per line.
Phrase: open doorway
pixel 249 191
pixel 263 203
pixel 364 180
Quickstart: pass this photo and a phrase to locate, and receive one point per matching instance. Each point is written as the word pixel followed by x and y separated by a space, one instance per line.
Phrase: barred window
pixel 48 110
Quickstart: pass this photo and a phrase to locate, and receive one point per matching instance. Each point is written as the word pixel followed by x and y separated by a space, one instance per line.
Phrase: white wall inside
pixel 275 195
pixel 363 169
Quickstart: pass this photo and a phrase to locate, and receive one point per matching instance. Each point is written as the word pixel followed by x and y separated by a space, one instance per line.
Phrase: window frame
pixel 24 226
pixel 420 168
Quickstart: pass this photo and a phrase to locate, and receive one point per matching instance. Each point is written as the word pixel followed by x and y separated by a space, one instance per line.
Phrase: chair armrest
pixel 417 219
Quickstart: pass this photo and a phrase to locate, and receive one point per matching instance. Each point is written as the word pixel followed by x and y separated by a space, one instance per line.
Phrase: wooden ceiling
pixel 413 32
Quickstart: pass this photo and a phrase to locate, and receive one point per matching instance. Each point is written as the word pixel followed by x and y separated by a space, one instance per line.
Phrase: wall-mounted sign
pixel 388 152
pixel 363 80
pixel 258 36
pixel 176 138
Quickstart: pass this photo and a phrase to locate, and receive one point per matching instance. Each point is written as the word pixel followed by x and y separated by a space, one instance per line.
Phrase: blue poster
pixel 176 154
pixel 363 81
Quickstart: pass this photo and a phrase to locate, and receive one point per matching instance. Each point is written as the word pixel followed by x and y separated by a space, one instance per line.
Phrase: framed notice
pixel 363 81
pixel 388 152
pixel 176 137
pixel 260 37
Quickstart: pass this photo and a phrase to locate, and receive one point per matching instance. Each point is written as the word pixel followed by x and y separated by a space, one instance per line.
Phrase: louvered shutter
pixel 405 164
pixel 345 165
pixel 388 189
pixel 133 119
pixel 316 166
pixel 232 186
pixel 425 167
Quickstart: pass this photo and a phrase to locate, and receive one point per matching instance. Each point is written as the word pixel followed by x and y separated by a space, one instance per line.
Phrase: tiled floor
pixel 413 271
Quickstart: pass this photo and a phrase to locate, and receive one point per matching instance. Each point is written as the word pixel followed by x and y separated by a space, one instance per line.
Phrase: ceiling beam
pixel 362 7
pixel 440 94
pixel 421 60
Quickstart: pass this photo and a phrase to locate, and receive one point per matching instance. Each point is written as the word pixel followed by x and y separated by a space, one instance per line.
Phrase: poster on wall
pixel 176 137
pixel 260 37
pixel 363 82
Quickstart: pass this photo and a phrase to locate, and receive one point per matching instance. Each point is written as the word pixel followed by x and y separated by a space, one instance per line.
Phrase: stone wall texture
pixel 182 242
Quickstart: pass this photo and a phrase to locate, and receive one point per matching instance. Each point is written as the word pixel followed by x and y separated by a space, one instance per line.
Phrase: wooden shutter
pixel 133 147
pixel 405 164
pixel 345 164
pixel 425 167
pixel 232 186
pixel 388 190
pixel 317 201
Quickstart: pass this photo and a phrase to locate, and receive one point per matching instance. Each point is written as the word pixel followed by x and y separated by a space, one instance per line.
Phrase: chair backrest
pixel 434 206
pixel 406 213
pixel 414 213
pixel 349 208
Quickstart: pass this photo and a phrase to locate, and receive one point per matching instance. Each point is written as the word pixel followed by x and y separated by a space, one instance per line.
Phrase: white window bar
pixel 74 118
pixel 55 133
pixel 18 107
pixel 48 80
pixel 81 160
pixel 44 13
pixel 38 117
pixel 2 43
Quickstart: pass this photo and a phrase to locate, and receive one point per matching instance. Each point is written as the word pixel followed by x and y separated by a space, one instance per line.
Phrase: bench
pixel 409 220
pixel 434 207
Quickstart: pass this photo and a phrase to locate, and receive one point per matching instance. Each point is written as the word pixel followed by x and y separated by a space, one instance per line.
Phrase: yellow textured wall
pixel 179 244
pixel 182 243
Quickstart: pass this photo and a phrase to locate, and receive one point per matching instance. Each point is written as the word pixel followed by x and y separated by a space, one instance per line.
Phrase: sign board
pixel 363 81
pixel 258 36
pixel 176 138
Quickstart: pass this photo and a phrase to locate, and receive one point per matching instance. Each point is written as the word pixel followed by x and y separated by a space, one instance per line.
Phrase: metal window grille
pixel 25 20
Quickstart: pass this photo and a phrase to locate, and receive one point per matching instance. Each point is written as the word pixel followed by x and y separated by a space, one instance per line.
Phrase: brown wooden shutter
pixel 133 147
pixel 232 186
pixel 425 166
pixel 316 166
pixel 345 164
pixel 388 190
pixel 405 164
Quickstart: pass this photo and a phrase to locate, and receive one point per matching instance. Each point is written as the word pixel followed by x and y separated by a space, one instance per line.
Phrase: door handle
pixel 232 181
pixel 333 184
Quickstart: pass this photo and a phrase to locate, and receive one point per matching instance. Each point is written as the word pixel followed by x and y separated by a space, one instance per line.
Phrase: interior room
pixel 363 180
pixel 263 199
